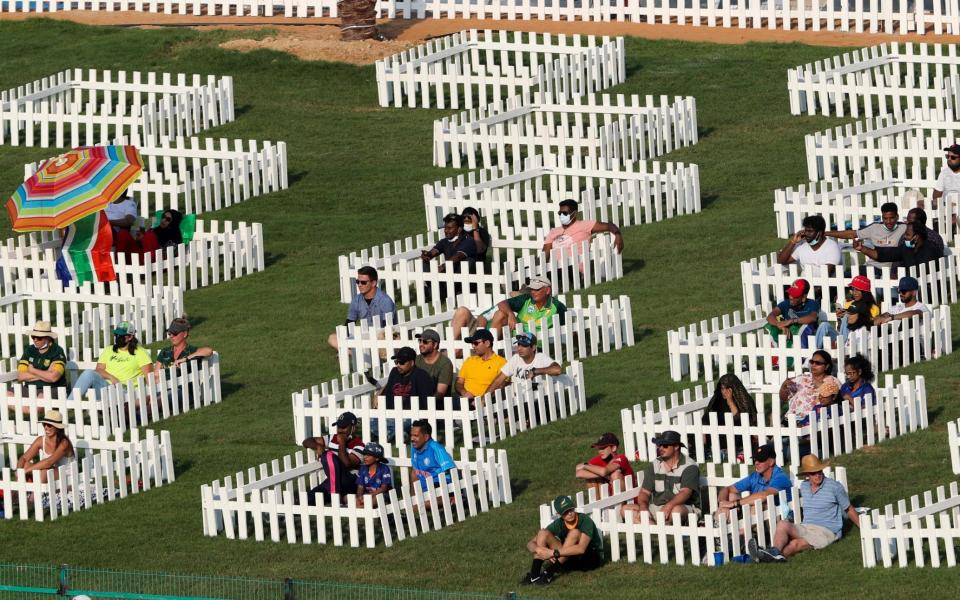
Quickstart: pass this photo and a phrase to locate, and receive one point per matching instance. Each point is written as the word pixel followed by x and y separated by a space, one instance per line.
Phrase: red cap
pixel 860 283
pixel 799 288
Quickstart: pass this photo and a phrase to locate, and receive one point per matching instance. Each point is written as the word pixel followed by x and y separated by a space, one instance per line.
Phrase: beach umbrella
pixel 71 186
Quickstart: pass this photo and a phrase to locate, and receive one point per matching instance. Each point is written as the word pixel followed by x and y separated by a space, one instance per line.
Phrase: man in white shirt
pixel 910 305
pixel 810 246
pixel 949 180
pixel 885 234
pixel 526 363
pixel 122 212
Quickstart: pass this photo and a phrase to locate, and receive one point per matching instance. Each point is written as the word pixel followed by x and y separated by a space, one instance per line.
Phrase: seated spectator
pixel 429 458
pixel 671 483
pixel 574 233
pixel 804 393
pixel 473 229
pixel 913 249
pixel 339 455
pixel 478 372
pixel 919 217
pixel 810 246
pixel 797 316
pixel 455 246
pixel 857 312
pixel 371 304
pixel 730 397
pixel 909 306
pixel 607 466
pixel 949 179
pixel 43 363
pixel 885 234
pixel 767 479
pixel 122 213
pixel 52 450
pixel 167 233
pixel 375 477
pixel 436 363
pixel 859 384
pixel 529 308
pixel 570 543
pixel 405 382
pixel 525 364
pixel 824 502
pixel 124 361
pixel 179 351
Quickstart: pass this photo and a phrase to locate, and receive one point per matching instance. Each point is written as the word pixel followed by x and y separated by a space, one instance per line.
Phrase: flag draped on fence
pixel 85 254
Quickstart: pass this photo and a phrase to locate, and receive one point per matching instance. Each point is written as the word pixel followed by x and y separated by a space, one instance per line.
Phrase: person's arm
pixel 773 317
pixel 59 452
pixel 785 255
pixel 504 307
pixel 689 482
pixel 102 371
pixel 848 234
pixel 808 318
pixel 646 490
pixel 588 471
pixel 124 222
pixel 750 499
pixel 600 227
pixel 462 391
pixel 874 253
pixel 478 241
pixel 887 317
pixel 577 549
pixel 50 375
pixel 500 381
pixel 678 500
pixel 347 458
pixel 431 253
pixel 728 496
pixel 202 352
pixel 554 369
pixel 853 515
pixel 29 455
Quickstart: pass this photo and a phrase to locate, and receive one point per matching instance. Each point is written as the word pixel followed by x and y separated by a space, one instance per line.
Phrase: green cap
pixel 562 504
pixel 125 328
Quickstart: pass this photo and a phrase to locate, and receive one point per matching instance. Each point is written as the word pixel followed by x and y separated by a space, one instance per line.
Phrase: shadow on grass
pixel 181 466
pixel 633 264
pixel 241 110
pixel 228 387
pixel 594 399
pixel 519 486
pixel 706 200
pixel 293 178
pixel 933 413
pixel 704 132
pixel 640 333
pixel 270 259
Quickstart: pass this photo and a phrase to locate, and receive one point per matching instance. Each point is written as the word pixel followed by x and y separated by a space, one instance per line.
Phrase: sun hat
pixel 375 450
pixel 538 282
pixel 42 329
pixel 668 438
pixel 125 328
pixel 562 504
pixel 860 282
pixel 53 418
pixel 811 463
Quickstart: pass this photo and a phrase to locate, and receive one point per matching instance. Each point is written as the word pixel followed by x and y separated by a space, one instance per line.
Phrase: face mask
pixel 566 219
pixel 909 243
pixel 453 240
pixel 815 241
pixel 468 228
pixel 46 344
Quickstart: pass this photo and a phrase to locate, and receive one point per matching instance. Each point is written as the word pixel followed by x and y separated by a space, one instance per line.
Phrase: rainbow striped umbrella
pixel 73 185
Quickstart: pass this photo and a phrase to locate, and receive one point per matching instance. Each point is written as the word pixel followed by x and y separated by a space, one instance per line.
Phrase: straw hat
pixel 42 329
pixel 53 418
pixel 811 463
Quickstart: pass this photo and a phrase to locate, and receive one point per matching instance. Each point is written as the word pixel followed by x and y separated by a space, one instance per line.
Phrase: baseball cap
pixel 125 328
pixel 346 420
pixel 404 354
pixel 178 326
pixel 798 288
pixel 538 282
pixel 428 335
pixel 479 335
pixel 607 439
pixel 908 284
pixel 954 147
pixel 525 339
pixel 765 452
pixel 562 504
pixel 860 282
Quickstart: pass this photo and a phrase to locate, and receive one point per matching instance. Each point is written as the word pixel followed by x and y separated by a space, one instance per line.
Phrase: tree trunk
pixel 358 20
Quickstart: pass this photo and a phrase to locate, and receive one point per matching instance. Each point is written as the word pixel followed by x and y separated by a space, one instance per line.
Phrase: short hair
pixel 815 222
pixel 469 210
pixel 453 218
pixel 889 207
pixel 571 204
pixel 369 272
pixel 918 215
pixel 423 425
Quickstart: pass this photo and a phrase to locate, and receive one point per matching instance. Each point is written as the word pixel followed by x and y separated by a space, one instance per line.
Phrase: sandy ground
pixel 318 38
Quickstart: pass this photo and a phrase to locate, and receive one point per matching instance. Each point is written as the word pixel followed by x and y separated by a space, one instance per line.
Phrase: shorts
pixel 817 536
pixel 691 509
pixel 584 562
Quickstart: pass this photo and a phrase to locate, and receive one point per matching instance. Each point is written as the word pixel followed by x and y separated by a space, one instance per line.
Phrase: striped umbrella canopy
pixel 73 185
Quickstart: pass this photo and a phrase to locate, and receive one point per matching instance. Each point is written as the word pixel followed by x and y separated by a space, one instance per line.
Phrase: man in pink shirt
pixel 573 233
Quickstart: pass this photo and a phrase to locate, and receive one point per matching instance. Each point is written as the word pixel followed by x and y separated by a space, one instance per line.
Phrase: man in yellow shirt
pixel 479 371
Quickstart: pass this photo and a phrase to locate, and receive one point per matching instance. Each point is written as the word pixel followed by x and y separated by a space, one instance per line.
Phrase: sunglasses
pixel 817 362
pixel 474 343
pixel 952 157
pixel 36 337
pixel 664 445
pixel 401 362
pixel 364 282
pixel 564 212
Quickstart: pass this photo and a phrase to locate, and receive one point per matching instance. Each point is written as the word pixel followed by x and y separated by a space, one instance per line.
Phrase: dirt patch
pixel 320 43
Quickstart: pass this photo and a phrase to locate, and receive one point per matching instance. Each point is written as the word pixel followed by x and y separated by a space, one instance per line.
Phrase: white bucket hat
pixel 42 329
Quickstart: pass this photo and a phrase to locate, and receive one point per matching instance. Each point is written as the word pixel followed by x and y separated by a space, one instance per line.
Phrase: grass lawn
pixel 356 172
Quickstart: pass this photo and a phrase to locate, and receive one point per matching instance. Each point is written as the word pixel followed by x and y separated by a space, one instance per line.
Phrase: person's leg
pixel 461 319
pixel 786 531
pixel 332 341
pixel 679 513
pixel 796 546
pixel 825 330
pixel 572 539
pixel 88 380
pixel 499 320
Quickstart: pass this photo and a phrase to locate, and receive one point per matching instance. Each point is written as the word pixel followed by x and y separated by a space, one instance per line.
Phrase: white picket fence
pixel 220 251
pixel 103 471
pixel 196 175
pixel 953 427
pixel 121 407
pixel 923 534
pixel 801 15
pixel 519 205
pixel 593 325
pixel 765 281
pixel 78 107
pixel 879 80
pixel 851 201
pixel 613 129
pixel 507 412
pixel 686 541
pixel 270 502
pixel 899 408
pixel 476 67
pixel 708 348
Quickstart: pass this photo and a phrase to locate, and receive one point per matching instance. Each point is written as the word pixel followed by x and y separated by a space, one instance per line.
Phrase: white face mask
pixel 468 228
pixel 566 219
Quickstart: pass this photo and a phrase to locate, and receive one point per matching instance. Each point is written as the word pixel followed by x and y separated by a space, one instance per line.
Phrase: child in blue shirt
pixel 374 477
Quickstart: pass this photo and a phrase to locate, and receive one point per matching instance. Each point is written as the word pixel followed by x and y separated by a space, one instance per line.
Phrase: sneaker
pixel 753 549
pixel 768 555
pixel 547 577
pixel 529 579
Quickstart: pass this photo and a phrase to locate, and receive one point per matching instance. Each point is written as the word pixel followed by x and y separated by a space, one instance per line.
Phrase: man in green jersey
pixel 43 363
pixel 571 542
pixel 535 309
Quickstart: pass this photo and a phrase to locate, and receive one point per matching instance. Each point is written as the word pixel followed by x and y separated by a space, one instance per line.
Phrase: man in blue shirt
pixel 429 457
pixel 767 479
pixel 824 502
pixel 795 316
pixel 369 303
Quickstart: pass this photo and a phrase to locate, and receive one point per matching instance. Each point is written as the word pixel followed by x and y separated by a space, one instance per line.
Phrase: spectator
pixel 856 313
pixel 810 246
pixel 122 213
pixel 455 246
pixel 573 233
pixel 919 217
pixel 52 450
pixel 369 303
pixel 730 397
pixel 909 306
pixel 429 458
pixel 859 383
pixel 436 363
pixel 43 363
pixel 767 479
pixel 885 234
pixel 805 392
pixel 124 361
pixel 571 542
pixel 530 309
pixel 526 363
pixel 795 316
pixel 374 478
pixel 167 233
pixel 405 382
pixel 179 351
pixel 473 229
pixel 339 455
pixel 607 466
pixel 824 502
pixel 913 250
pixel 671 484
pixel 949 179
pixel 479 370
